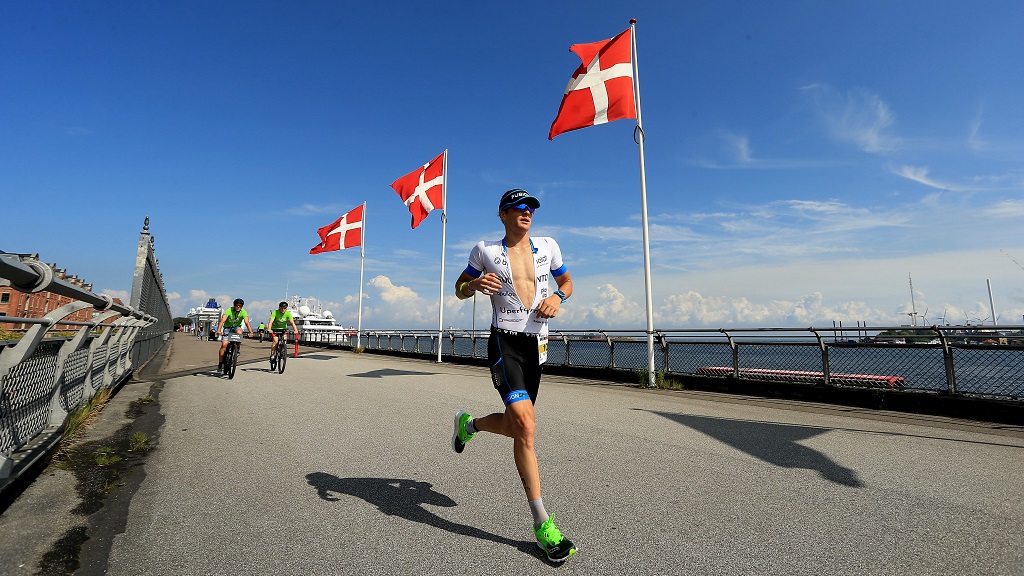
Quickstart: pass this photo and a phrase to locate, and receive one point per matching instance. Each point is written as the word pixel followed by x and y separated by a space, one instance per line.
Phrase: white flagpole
pixel 362 259
pixel 643 207
pixel 444 224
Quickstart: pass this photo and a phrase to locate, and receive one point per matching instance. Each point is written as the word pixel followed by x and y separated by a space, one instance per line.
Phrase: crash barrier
pixel 973 361
pixel 58 364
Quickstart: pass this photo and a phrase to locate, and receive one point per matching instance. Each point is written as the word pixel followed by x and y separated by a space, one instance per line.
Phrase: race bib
pixel 542 348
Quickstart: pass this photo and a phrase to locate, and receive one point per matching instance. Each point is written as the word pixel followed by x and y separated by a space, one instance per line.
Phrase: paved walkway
pixel 342 465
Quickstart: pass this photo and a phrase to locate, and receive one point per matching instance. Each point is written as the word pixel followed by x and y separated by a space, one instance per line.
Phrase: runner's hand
pixel 487 284
pixel 549 307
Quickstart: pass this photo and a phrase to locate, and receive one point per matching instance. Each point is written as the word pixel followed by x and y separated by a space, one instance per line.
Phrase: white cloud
pixel 124 295
pixel 610 309
pixel 391 306
pixel 974 141
pixel 738 153
pixel 1005 209
pixel 740 147
pixel 859 116
pixel 336 210
pixel 920 175
pixel 984 183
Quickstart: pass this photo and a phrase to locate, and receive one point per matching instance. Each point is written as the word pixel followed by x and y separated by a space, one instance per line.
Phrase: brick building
pixel 36 305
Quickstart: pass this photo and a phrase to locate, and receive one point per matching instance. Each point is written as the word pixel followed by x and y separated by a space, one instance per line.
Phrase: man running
pixel 514 271
pixel 231 322
pixel 279 320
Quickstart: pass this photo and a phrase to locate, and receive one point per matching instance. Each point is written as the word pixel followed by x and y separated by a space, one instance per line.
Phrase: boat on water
pixel 314 321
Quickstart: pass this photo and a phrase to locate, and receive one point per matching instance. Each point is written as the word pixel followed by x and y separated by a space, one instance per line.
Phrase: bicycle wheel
pixel 232 360
pixel 282 357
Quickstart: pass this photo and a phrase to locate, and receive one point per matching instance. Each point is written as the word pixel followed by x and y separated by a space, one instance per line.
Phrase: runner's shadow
pixel 405 499
pixel 774 443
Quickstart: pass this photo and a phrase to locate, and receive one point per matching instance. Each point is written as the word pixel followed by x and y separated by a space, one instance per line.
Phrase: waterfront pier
pixel 342 465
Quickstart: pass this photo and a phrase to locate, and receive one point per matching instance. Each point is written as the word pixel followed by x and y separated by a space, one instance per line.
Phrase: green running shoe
pixel 460 436
pixel 557 547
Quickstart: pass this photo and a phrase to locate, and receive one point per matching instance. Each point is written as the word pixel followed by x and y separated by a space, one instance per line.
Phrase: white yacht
pixel 316 322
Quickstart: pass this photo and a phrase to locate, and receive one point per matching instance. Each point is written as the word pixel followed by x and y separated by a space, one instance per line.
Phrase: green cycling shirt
pixel 231 320
pixel 278 320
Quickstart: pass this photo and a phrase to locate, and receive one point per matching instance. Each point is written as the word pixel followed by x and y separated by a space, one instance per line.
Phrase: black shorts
pixel 515 365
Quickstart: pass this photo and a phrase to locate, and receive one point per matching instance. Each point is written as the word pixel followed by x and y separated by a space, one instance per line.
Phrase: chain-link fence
pixel 957 360
pixel 149 297
pixel 44 375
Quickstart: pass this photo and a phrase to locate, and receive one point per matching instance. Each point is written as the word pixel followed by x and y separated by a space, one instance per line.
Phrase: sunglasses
pixel 523 208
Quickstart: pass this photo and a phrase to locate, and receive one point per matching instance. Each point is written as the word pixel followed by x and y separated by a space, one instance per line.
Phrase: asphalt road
pixel 343 465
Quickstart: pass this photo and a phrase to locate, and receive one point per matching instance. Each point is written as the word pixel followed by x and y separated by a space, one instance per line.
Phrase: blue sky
pixel 802 157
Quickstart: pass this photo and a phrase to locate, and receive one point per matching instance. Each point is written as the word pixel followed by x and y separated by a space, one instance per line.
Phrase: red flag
pixel 601 89
pixel 422 190
pixel 345 232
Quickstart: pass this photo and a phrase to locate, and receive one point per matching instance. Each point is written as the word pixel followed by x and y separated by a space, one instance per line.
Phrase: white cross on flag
pixel 422 190
pixel 601 89
pixel 345 232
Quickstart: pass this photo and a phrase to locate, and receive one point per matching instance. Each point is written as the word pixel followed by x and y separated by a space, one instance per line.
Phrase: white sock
pixel 540 515
pixel 470 426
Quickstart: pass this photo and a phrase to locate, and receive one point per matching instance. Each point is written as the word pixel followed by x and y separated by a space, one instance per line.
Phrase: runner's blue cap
pixel 517 196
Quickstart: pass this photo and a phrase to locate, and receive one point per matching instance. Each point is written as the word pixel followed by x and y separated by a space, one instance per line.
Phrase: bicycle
pixel 279 355
pixel 231 354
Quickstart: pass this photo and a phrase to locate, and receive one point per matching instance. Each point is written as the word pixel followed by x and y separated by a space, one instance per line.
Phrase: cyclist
pixel 231 323
pixel 259 330
pixel 279 320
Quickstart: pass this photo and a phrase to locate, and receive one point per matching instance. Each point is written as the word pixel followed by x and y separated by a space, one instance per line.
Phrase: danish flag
pixel 601 89
pixel 345 232
pixel 422 190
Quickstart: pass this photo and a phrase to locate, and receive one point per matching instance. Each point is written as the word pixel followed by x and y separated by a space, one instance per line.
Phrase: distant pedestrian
pixel 514 272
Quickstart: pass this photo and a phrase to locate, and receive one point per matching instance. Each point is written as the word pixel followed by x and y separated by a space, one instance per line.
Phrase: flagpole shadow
pixel 774 443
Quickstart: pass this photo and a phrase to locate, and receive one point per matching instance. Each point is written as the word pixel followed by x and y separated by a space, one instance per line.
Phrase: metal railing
pixel 971 361
pixel 45 375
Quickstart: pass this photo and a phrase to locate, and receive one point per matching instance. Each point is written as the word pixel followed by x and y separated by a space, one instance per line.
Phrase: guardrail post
pixel 89 386
pixel 735 352
pixel 114 349
pixel 824 355
pixel 57 411
pixel 664 349
pixel 947 358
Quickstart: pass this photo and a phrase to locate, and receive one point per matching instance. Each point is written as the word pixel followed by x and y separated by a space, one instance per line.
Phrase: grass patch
pixel 359 350
pixel 106 456
pixel 660 380
pixel 83 416
pixel 138 442
pixel 135 410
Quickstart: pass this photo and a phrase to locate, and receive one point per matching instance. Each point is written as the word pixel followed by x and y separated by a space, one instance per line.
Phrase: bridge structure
pixel 343 465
